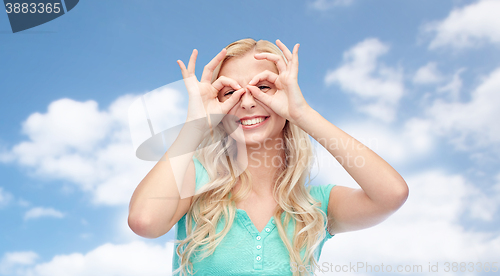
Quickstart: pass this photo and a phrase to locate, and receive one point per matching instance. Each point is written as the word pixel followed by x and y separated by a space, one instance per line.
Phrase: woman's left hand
pixel 287 101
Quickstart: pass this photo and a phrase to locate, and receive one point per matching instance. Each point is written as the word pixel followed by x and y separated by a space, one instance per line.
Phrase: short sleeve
pixel 322 194
pixel 202 177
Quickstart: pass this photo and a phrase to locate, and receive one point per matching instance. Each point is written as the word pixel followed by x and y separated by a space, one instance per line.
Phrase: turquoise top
pixel 244 250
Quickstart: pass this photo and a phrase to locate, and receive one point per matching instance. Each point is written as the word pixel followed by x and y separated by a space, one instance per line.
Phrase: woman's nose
pixel 247 100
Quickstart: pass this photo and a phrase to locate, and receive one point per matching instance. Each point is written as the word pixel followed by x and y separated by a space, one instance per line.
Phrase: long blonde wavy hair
pixel 214 204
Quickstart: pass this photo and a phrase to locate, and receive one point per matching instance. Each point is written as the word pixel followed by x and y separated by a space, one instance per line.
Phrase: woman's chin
pixel 255 140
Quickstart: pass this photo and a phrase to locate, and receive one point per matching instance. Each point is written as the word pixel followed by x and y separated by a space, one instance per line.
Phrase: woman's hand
pixel 287 101
pixel 203 100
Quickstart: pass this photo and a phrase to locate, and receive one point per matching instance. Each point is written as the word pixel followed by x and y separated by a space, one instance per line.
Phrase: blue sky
pixel 419 81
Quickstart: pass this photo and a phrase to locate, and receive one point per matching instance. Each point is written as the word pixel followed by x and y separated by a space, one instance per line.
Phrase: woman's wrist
pixel 303 117
pixel 200 124
pixel 189 138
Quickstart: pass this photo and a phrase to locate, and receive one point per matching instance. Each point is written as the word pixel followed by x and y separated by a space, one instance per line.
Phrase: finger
pixel 284 49
pixel 232 100
pixel 278 60
pixel 259 95
pixel 210 67
pixel 295 60
pixel 192 62
pixel 263 76
pixel 183 69
pixel 223 81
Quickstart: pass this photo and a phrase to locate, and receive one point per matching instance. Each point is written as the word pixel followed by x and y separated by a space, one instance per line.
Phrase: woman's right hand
pixel 203 100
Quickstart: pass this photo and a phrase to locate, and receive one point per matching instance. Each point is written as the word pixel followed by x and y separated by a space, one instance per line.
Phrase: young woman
pixel 234 181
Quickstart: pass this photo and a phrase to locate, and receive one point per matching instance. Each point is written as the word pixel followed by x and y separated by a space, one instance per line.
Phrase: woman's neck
pixel 264 161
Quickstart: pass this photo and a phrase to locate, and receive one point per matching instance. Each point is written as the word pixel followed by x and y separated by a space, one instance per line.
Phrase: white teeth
pixel 252 121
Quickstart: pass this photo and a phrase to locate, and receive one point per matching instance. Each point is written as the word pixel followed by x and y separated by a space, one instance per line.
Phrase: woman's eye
pixel 229 93
pixel 264 88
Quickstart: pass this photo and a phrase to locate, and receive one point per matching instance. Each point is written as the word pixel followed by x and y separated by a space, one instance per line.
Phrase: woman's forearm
pixel 157 196
pixel 381 183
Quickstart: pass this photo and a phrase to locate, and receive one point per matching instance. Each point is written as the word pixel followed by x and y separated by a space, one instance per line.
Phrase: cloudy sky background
pixel 417 81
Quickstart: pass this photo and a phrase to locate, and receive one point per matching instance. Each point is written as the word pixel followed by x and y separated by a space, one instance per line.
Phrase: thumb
pixel 259 95
pixel 232 101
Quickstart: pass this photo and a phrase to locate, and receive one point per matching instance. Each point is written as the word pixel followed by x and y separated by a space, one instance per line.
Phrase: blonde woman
pixel 235 182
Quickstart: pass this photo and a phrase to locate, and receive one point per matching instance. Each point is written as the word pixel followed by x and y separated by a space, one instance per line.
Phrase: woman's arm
pixel 382 191
pixel 156 204
pixel 165 194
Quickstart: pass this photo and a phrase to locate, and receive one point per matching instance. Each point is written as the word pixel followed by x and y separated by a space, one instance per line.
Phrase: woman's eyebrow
pixel 263 81
pixel 226 89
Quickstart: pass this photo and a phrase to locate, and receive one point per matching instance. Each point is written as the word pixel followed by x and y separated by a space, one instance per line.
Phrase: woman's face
pixel 259 122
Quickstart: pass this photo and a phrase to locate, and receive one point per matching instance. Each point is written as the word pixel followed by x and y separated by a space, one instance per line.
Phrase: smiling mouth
pixel 254 121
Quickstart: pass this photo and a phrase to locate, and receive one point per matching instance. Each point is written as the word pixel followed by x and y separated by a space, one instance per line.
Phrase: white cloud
pixel 452 89
pixel 471 124
pixel 11 260
pixel 92 148
pixel 468 26
pixel 136 258
pixel 376 88
pixel 5 198
pixel 428 74
pixel 482 206
pixel 324 5
pixel 410 142
pixel 426 229
pixel 38 212
pixel 23 203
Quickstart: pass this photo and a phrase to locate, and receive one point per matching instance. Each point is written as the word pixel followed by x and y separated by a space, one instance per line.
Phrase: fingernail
pixel 239 86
